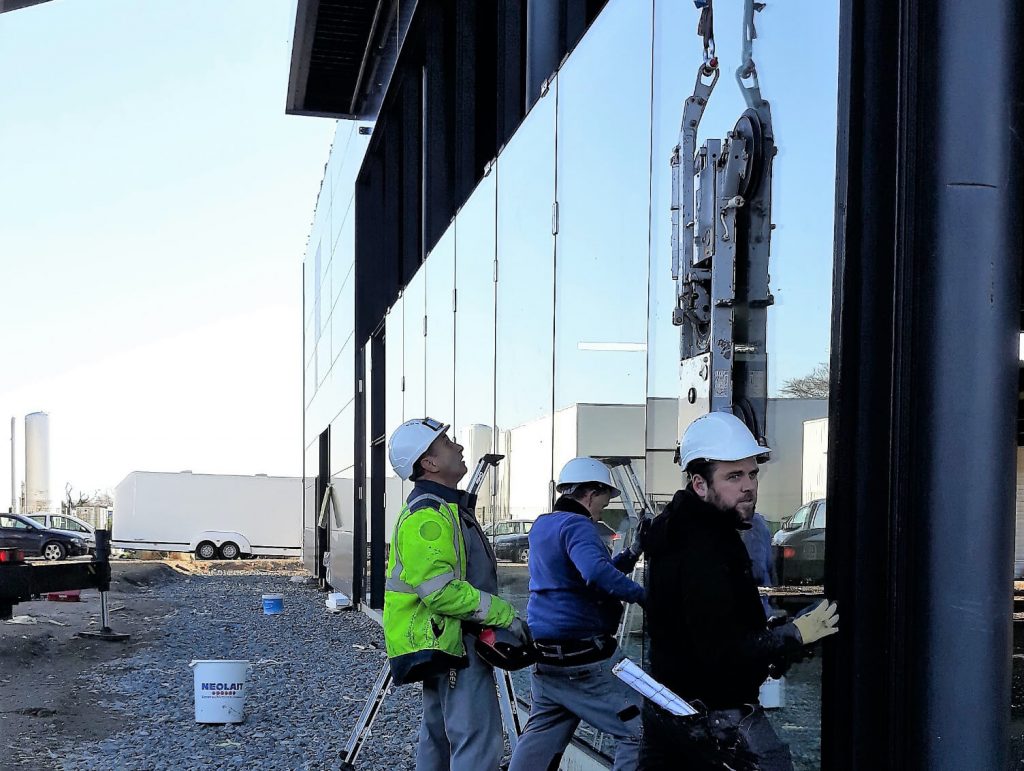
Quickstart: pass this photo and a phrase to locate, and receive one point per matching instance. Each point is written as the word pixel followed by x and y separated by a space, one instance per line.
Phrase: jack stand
pixel 106 633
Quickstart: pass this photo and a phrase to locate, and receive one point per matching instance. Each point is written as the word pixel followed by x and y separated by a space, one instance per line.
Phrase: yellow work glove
pixel 818 623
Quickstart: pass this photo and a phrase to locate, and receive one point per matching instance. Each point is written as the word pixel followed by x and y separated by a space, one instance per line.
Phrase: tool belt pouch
pixel 703 740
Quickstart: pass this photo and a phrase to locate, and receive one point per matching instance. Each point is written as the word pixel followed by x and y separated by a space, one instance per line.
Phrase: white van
pixel 66 523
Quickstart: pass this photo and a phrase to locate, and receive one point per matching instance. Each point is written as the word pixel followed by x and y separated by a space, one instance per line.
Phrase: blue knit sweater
pixel 576 588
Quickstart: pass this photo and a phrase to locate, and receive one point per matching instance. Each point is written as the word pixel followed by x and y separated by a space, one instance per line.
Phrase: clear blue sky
pixel 155 202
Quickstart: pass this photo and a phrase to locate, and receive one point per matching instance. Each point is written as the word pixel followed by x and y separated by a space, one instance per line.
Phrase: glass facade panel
pixel 561 341
pixel 342 438
pixel 802 91
pixel 602 243
pixel 525 308
pixel 414 354
pixel 473 420
pixel 394 404
pixel 439 383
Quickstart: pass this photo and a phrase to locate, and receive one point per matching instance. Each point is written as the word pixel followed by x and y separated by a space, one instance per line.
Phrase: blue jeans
pixel 562 697
pixel 740 738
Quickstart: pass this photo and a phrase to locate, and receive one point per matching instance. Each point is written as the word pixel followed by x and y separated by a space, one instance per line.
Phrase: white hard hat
pixel 410 441
pixel 580 470
pixel 718 436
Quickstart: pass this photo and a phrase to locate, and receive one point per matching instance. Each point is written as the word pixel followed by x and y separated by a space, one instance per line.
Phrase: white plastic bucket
pixel 772 694
pixel 273 604
pixel 219 690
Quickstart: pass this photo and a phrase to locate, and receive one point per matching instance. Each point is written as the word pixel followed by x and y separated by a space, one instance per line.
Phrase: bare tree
pixel 79 498
pixel 811 386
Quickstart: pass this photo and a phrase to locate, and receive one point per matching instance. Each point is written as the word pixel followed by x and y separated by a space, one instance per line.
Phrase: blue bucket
pixel 273 604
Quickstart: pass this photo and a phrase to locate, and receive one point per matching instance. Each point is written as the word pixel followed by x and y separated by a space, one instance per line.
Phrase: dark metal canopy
pixel 343 54
pixel 13 5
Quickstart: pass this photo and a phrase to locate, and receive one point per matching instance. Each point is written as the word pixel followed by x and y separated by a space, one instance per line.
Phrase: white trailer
pixel 211 515
pixel 815 465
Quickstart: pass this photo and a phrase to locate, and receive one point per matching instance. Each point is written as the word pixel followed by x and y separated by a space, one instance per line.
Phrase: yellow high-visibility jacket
pixel 426 596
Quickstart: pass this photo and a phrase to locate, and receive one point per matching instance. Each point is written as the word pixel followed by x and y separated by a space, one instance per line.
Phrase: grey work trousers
pixel 461 728
pixel 562 697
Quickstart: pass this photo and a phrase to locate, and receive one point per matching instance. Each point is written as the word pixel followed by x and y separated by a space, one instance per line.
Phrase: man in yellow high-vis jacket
pixel 442 572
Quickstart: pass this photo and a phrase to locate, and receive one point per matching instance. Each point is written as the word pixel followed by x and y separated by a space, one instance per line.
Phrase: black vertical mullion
pixel 359 494
pixel 410 164
pixel 437 139
pixel 465 93
pixel 323 480
pixel 510 71
pixel 378 448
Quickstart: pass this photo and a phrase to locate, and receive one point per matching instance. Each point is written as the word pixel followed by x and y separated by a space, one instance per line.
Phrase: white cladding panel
pixel 37 462
pixel 611 429
pixel 779 493
pixel 173 508
pixel 815 471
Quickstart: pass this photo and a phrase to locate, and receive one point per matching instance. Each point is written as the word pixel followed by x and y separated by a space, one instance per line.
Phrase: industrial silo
pixel 37 462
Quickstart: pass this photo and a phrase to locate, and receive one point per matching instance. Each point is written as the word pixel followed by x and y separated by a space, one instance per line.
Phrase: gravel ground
pixel 311 671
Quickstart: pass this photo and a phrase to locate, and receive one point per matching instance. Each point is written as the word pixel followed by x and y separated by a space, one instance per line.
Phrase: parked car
pixel 19 532
pixel 66 523
pixel 510 538
pixel 799 547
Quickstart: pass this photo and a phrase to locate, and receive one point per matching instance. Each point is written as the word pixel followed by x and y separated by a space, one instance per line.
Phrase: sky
pixel 155 203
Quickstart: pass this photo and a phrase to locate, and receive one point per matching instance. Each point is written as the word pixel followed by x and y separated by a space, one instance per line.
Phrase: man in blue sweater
pixel 576 596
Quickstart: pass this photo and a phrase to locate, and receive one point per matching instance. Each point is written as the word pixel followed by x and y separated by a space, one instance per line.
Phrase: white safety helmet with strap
pixel 580 470
pixel 410 440
pixel 718 436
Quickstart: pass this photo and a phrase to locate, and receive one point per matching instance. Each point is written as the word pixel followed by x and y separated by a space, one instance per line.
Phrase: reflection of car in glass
pixel 20 532
pixel 65 523
pixel 510 538
pixel 799 546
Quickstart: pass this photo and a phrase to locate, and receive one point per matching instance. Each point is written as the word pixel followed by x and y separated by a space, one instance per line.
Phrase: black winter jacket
pixel 707 626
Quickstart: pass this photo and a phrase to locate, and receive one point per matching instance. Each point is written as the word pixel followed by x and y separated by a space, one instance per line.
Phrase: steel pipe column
pixel 924 385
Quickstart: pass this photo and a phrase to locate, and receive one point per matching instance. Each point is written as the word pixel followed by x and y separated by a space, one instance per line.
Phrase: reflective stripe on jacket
pixel 426 595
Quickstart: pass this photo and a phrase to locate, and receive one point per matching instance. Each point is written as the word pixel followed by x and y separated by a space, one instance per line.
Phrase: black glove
pixel 640 537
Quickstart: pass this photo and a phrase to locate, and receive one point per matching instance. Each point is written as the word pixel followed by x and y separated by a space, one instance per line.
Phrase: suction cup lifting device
pixel 503 681
pixel 721 232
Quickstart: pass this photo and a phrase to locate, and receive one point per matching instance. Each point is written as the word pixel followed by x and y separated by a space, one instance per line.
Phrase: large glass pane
pixel 473 420
pixel 801 86
pixel 524 345
pixel 394 331
pixel 602 243
pixel 439 386
pixel 340 527
pixel 525 306
pixel 601 256
pixel 342 438
pixel 415 347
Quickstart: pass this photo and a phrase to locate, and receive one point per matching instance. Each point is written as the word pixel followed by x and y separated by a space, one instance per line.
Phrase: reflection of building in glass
pixel 509 268
pixel 496 254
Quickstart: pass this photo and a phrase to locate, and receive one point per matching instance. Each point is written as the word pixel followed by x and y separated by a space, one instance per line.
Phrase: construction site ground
pixel 68 702
pixel 73 703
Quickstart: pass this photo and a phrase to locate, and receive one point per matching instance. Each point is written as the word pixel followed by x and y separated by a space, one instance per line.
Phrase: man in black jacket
pixel 710 642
